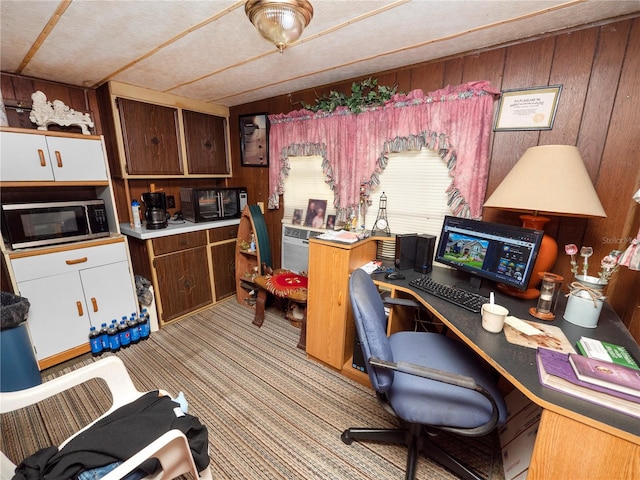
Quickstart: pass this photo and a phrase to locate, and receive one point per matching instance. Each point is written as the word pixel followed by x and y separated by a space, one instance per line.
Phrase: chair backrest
pixel 371 325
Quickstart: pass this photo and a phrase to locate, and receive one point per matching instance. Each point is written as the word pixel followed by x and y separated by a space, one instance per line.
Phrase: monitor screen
pixel 501 253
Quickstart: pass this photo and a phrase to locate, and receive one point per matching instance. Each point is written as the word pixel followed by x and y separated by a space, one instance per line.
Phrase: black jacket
pixel 117 437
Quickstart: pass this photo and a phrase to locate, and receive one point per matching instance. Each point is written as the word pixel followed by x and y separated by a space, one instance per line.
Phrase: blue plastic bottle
pixel 125 335
pixel 114 338
pixel 133 329
pixel 95 341
pixel 143 325
pixel 104 336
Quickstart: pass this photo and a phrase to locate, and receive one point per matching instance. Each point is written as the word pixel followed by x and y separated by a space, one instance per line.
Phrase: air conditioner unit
pixel 295 247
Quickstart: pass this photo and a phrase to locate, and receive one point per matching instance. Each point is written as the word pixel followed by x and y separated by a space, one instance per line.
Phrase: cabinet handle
pixel 80 311
pixel 75 261
pixel 94 302
pixel 59 159
pixel 340 299
pixel 43 161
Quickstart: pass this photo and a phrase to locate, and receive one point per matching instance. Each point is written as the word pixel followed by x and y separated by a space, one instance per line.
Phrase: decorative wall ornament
pixel 44 113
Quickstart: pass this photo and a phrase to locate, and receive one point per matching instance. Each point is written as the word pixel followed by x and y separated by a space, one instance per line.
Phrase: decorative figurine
pixel 44 113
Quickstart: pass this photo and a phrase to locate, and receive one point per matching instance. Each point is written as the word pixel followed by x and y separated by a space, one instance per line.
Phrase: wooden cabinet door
pixel 184 282
pixel 327 303
pixel 151 138
pixel 206 142
pixel 224 269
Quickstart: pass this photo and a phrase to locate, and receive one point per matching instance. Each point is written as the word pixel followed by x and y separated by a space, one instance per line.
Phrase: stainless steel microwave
pixel 48 223
pixel 209 204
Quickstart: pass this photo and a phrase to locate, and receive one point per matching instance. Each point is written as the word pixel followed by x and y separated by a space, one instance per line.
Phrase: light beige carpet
pixel 271 413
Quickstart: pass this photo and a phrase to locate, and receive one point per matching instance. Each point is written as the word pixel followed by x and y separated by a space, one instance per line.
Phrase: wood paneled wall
pixel 599 111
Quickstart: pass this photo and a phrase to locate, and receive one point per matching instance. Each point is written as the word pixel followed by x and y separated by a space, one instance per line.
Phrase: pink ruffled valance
pixel 455 121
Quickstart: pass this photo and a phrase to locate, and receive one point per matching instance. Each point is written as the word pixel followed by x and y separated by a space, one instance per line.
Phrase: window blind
pixel 414 183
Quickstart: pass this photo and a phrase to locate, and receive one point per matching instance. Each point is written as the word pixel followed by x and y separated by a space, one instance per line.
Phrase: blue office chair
pixel 428 380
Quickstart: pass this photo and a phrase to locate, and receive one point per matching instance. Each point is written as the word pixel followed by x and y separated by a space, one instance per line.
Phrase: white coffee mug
pixel 493 317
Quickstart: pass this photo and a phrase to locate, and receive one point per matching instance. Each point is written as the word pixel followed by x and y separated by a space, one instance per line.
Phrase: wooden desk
pixel 576 439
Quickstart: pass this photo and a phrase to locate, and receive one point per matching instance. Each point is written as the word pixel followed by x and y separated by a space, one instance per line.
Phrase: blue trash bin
pixel 18 363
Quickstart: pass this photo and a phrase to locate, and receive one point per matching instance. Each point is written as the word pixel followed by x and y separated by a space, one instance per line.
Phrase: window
pixel 415 184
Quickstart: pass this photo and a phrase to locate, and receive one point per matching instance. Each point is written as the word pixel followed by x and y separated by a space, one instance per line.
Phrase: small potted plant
pixel 586 293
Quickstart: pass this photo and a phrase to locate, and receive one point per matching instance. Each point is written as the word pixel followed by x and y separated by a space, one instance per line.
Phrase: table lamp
pixel 549 179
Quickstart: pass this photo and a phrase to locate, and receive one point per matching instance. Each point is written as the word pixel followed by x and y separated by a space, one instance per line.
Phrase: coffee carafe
pixel 155 210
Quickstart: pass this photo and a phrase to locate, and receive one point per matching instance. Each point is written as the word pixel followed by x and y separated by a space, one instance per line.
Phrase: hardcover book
pixel 555 372
pixel 606 374
pixel 606 351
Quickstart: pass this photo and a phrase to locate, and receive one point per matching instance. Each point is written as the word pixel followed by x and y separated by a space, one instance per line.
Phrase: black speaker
pixel 425 245
pixel 405 250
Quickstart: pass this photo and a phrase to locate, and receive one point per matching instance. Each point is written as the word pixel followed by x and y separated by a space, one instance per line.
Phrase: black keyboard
pixel 468 300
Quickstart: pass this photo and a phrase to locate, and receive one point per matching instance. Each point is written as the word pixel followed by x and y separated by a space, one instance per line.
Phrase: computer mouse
pixel 394 276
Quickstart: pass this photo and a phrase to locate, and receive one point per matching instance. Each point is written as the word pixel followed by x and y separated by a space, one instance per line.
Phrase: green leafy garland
pixel 364 94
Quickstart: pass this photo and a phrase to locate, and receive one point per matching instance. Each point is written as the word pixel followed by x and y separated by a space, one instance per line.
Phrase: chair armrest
pixel 110 369
pixel 173 452
pixel 451 379
pixel 426 372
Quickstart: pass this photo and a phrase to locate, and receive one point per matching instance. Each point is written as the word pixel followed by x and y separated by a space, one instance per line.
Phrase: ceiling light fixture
pixel 279 21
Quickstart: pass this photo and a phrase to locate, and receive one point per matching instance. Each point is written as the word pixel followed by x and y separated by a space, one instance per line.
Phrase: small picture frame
pixel 297 217
pixel 527 108
pixel 254 140
pixel 331 222
pixel 316 211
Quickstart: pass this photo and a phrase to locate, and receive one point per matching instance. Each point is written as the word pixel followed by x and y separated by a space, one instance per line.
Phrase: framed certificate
pixel 528 108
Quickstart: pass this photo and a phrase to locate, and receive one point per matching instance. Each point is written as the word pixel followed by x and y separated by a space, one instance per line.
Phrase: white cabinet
pixel 31 157
pixel 71 290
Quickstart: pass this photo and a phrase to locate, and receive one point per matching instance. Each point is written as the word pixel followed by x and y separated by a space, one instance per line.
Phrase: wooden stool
pixel 283 284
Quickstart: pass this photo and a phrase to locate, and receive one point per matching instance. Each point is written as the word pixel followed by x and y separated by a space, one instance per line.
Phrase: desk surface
pixel 517 363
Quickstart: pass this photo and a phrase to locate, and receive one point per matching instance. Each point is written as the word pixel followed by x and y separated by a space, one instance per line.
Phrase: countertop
pixel 174 228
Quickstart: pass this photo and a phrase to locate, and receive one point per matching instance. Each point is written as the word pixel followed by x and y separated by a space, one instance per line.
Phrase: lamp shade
pixel 279 21
pixel 549 179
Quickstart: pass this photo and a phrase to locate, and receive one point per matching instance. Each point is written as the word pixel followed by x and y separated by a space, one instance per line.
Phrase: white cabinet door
pixel 24 157
pixel 58 318
pixel 76 159
pixel 108 292
pixel 39 158
pixel 72 290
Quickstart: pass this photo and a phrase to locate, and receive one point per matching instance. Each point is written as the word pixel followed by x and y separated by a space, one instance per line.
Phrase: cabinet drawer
pixel 182 241
pixel 40 266
pixel 223 233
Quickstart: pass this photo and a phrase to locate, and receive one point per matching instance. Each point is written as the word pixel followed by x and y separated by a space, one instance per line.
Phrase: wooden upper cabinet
pixel 206 143
pixel 151 138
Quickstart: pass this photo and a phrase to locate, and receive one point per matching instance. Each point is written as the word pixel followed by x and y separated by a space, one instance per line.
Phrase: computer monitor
pixel 502 253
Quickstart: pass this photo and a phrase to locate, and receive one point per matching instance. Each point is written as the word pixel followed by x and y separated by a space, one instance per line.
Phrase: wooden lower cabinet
pixel 330 327
pixel 184 280
pixel 188 270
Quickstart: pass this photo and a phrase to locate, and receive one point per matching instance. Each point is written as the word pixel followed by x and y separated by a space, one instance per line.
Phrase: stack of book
pixel 612 383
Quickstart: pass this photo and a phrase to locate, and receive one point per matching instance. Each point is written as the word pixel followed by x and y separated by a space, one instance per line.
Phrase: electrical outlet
pixel 261 206
pixel 171 201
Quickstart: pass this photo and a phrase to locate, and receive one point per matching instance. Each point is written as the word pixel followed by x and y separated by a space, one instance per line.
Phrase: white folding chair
pixel 171 449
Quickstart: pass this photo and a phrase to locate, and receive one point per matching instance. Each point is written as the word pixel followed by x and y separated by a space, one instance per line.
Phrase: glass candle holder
pixel 549 291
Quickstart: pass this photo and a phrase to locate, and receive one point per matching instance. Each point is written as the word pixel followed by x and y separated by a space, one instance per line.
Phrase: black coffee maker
pixel 155 210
